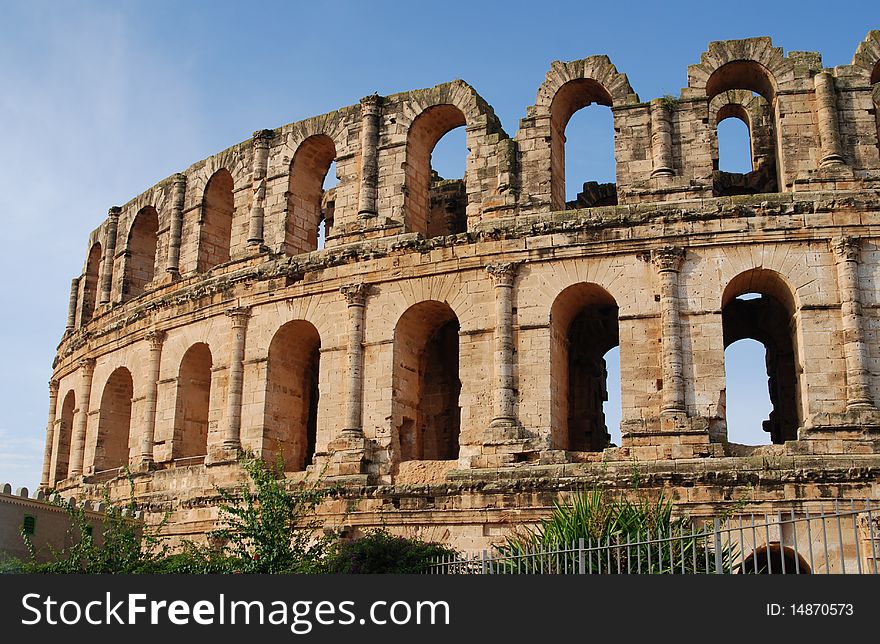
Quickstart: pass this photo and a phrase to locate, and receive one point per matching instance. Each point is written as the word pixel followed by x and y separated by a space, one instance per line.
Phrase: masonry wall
pixel 682 241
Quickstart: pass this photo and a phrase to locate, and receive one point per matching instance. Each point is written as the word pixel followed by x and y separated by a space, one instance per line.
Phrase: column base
pixel 347 456
pixel 222 454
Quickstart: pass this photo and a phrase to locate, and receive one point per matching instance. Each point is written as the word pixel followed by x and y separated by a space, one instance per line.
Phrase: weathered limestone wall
pixel 210 293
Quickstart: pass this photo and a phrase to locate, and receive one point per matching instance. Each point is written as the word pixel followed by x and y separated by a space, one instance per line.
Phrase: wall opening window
pixel 426 383
pixel 114 422
pixel 758 306
pixel 591 134
pixel 193 404
pixel 436 204
pixel 215 235
pixel 290 419
pixel 64 431
pixel 311 195
pixel 140 266
pixel 583 330
pixel 590 169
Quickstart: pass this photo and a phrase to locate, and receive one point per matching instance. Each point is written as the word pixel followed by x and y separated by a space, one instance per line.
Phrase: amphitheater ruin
pixel 440 355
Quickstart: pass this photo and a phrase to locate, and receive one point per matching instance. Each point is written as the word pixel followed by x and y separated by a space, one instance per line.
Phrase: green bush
pixel 608 525
pixel 383 553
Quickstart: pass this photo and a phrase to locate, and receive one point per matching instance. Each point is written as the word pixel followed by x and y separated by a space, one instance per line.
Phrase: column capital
pixel 87 364
pixel 847 249
pixel 53 386
pixel 114 212
pixel 667 259
pixel 371 105
pixel 355 294
pixel 503 273
pixel 178 179
pixel 239 314
pixel 155 338
pixel 262 138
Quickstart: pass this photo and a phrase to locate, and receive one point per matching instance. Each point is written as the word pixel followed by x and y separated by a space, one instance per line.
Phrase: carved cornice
pixel 667 259
pixel 847 249
pixel 371 105
pixel 156 338
pixel 355 294
pixel 503 273
pixel 239 315
pixel 262 138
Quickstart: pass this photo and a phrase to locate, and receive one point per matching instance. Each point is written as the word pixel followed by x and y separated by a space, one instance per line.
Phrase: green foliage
pixel 612 529
pixel 125 547
pixel 383 553
pixel 272 530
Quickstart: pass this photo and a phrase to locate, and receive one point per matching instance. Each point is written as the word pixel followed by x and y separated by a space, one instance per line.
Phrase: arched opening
pixel 774 559
pixel 734 145
pixel 747 397
pixel 215 236
pixel 875 83
pixel 308 204
pixel 758 112
pixel 290 419
pixel 64 430
pixel 583 329
pixel 426 384
pixel 114 422
pixel 589 152
pixel 758 305
pixel 434 205
pixel 141 264
pixel 571 97
pixel 91 283
pixel 612 407
pixel 193 404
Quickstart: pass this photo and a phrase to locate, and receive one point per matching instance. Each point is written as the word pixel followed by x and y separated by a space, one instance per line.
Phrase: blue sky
pixel 100 100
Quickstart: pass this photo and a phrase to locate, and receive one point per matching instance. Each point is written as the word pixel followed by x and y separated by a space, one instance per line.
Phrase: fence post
pixel 718 561
pixel 582 564
pixel 483 567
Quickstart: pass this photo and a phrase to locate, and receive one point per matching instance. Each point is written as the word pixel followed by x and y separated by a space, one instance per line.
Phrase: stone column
pixel 262 139
pixel 50 433
pixel 826 108
pixel 661 138
pixel 668 262
pixel 371 112
pixel 71 304
pixel 847 251
pixel 86 369
pixel 109 254
pixel 503 276
pixel 178 194
pixel 232 437
pixel 155 338
pixel 355 296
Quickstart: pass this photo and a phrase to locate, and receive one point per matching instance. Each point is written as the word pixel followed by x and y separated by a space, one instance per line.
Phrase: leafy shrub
pixel 614 530
pixel 383 553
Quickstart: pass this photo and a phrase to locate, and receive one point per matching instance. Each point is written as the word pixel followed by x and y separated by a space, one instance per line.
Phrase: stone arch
pixel 140 266
pixel 114 421
pixel 866 60
pixel 755 112
pixel 215 221
pixel 427 115
pixel 771 320
pixel 776 559
pixel 426 384
pixel 290 416
pixel 424 133
pixel 64 431
pixel 568 87
pixel 305 194
pixel 193 404
pixel 91 288
pixel 583 328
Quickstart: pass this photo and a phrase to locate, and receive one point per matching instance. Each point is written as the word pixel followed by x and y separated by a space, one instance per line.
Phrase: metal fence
pixel 844 539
